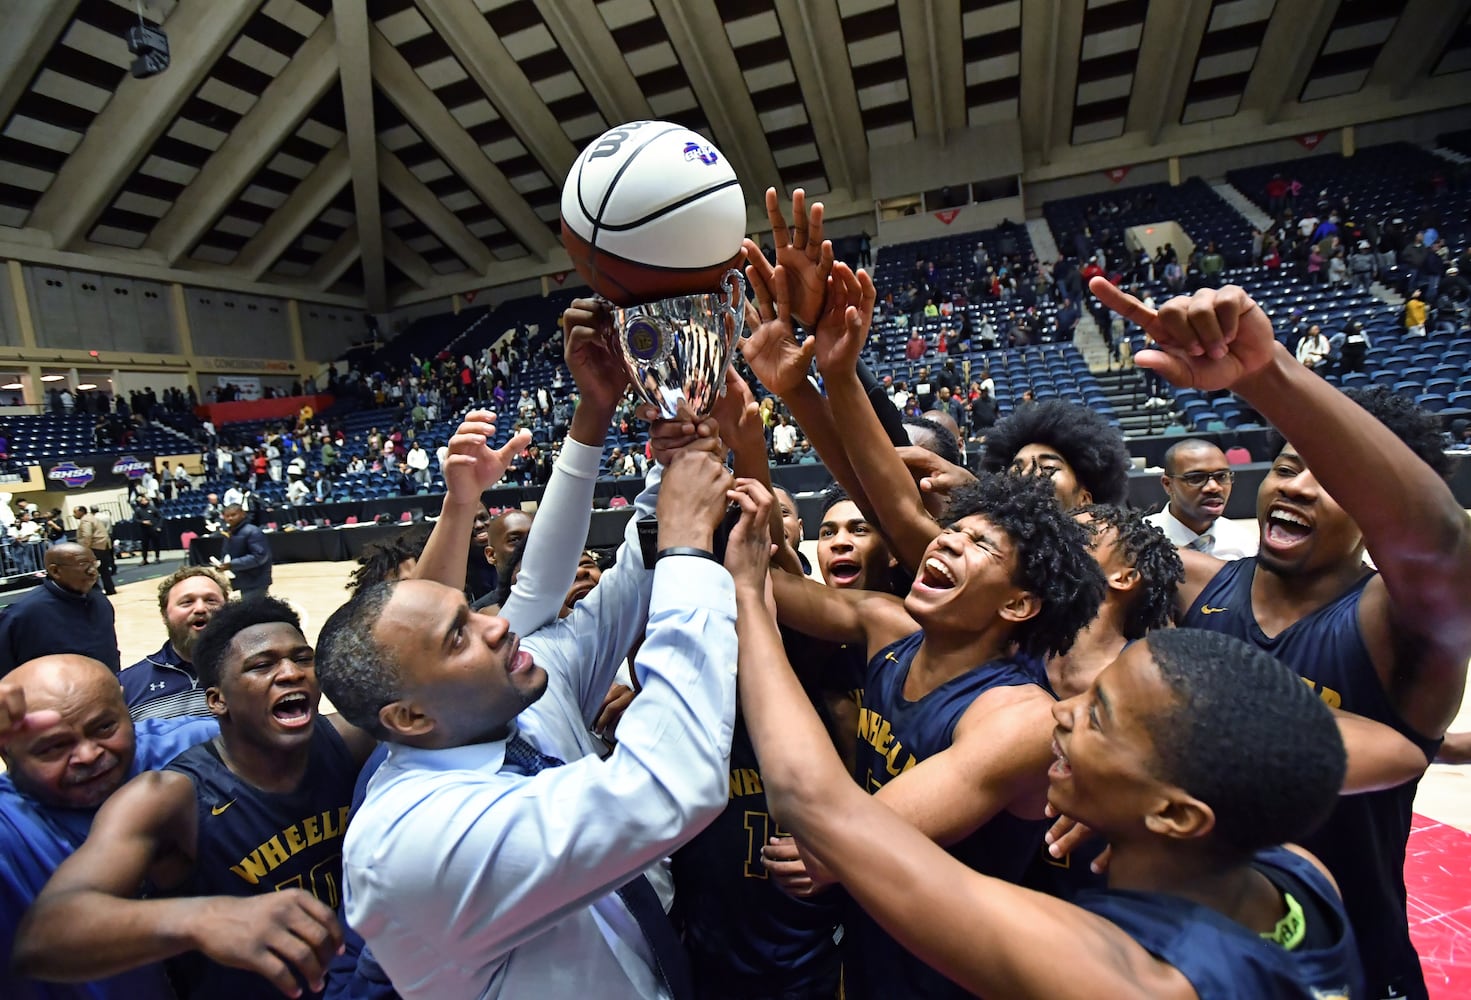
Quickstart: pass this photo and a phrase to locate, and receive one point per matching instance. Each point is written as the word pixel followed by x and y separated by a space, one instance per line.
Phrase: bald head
pixel 84 752
pixel 58 554
pixel 507 530
pixel 1191 448
pixel 72 567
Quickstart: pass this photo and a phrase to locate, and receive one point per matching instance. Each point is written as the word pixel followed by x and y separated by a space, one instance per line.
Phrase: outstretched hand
pixel 772 350
pixel 805 257
pixel 933 473
pixel 737 414
pixel 600 377
pixel 748 550
pixel 472 466
pixel 843 329
pixel 1210 340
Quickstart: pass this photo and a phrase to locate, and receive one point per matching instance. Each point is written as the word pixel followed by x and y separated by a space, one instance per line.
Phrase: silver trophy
pixel 677 350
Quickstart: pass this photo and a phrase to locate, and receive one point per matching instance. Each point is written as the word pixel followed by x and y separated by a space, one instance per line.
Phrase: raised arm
pixel 896 500
pixel 1412 525
pixel 782 364
pixel 550 562
pixel 471 467
pixel 991 937
pixel 86 924
pixel 740 428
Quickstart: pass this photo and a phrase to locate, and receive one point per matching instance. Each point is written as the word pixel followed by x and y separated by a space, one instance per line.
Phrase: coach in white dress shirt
pixel 1198 481
pixel 471 876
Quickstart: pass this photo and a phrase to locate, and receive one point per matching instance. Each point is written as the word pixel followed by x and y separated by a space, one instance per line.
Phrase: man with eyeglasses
pixel 1198 480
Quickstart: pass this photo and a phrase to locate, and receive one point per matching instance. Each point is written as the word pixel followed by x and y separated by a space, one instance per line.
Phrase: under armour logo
pixel 158 685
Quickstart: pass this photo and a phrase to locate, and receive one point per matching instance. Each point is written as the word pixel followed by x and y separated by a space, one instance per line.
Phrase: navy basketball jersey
pixel 746 937
pixel 252 842
pixel 895 734
pixel 1224 960
pixel 1363 841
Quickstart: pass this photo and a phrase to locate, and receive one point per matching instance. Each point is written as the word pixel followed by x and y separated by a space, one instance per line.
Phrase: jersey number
pixel 321 881
pixel 759 829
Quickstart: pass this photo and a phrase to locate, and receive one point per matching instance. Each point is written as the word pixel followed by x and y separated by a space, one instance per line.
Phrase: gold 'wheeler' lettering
pixel 293 840
pixel 745 781
pixel 875 730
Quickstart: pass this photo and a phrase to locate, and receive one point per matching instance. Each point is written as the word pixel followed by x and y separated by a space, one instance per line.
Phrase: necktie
pixel 670 960
pixel 1204 543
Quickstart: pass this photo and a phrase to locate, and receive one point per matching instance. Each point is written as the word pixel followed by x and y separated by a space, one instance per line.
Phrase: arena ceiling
pixel 390 151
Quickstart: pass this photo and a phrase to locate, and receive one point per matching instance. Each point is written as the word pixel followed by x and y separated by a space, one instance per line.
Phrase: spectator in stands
pixel 1412 258
pixel 1211 265
pixel 182 482
pixel 1361 264
pixel 165 685
pixel 1432 270
pixel 1313 350
pixel 1415 314
pixel 75 726
pixel 247 554
pixel 783 439
pixel 1337 269
pixel 982 410
pixel 92 534
pixel 1354 348
pixel 1197 482
pixel 150 527
pixel 1067 320
pixel 418 463
pixel 526 407
pixel 67 613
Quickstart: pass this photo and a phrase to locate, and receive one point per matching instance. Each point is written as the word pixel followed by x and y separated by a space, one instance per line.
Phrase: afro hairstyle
pixel 1085 440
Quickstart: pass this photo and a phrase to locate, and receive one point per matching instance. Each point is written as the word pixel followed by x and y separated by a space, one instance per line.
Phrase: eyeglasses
pixel 1198 479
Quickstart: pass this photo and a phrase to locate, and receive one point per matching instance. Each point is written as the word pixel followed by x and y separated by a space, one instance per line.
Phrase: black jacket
pixel 51 619
pixel 250 557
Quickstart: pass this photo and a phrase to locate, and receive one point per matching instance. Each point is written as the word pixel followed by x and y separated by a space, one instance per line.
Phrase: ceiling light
pixel 52 378
pixel 12 385
pixel 87 385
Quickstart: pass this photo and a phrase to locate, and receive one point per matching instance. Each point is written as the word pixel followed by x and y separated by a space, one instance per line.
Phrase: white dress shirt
pixel 470 882
pixel 1225 539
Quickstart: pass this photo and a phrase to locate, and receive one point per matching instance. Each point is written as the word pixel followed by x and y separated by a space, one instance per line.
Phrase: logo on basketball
pixel 705 154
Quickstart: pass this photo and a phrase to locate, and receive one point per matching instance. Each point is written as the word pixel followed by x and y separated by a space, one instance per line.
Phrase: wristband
pixel 686 550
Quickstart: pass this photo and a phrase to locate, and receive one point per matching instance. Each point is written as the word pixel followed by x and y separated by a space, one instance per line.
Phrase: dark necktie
pixel 670 960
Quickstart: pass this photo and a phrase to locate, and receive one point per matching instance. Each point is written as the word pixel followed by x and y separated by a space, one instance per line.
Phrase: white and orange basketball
pixel 652 210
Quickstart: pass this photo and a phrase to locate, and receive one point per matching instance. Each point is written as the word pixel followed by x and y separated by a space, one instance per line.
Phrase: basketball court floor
pixel 1438 869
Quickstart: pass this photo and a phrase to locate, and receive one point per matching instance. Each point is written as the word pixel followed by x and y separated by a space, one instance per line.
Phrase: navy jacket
pixel 250 557
pixel 51 619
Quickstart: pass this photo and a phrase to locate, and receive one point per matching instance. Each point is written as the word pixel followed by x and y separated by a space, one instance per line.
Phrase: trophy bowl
pixel 677 350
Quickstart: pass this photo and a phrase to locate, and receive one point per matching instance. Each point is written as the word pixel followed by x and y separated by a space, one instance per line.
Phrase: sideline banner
pixel 96 471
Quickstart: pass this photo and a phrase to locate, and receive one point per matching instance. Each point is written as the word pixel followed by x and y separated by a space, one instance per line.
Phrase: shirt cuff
pixel 580 460
pixel 692 582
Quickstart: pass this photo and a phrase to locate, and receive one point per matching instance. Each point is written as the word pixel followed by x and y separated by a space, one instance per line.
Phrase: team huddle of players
pixel 1014 743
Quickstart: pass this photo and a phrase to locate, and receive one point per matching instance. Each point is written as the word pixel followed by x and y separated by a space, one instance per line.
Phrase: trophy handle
pixel 733 285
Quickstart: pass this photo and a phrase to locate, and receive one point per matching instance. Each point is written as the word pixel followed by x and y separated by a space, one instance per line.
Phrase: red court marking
pixel 1438 877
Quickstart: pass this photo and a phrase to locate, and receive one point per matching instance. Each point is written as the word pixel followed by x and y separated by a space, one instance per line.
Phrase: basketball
pixel 652 210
